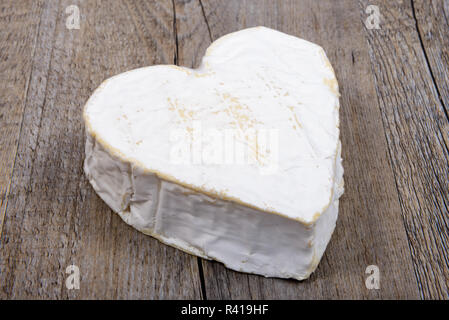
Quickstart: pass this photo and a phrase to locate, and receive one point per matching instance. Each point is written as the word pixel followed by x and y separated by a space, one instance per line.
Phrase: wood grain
pixel 17 46
pixel 370 229
pixel 54 218
pixel 432 22
pixel 416 128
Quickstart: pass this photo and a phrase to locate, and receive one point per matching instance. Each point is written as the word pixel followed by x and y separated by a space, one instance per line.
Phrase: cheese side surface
pixel 237 161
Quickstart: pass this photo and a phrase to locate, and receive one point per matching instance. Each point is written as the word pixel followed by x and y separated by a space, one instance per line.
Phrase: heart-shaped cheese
pixel 237 161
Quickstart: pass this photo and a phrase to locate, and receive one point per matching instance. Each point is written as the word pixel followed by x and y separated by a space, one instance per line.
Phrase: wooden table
pixel 394 127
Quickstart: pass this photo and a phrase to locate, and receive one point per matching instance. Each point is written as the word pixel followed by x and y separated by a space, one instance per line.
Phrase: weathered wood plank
pixel 192 33
pixel 433 26
pixel 416 129
pixel 370 229
pixel 19 24
pixel 54 218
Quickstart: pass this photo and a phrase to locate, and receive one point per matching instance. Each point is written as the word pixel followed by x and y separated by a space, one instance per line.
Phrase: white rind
pixel 243 238
pixel 275 240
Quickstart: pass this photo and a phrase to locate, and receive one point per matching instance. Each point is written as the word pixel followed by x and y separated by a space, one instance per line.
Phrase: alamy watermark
pixel 73 280
pixel 73 20
pixel 373 20
pixel 373 280
pixel 198 145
